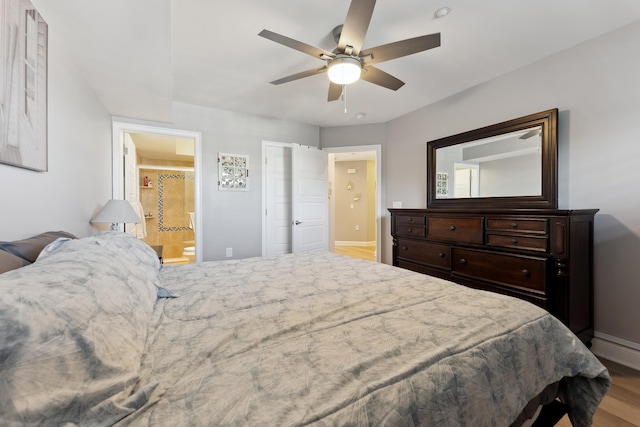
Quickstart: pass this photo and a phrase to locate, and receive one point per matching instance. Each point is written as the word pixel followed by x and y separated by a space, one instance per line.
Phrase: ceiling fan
pixel 531 133
pixel 348 62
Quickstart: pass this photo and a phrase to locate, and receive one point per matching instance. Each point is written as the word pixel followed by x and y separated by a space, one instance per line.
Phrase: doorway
pixel 355 201
pixel 466 180
pixel 158 171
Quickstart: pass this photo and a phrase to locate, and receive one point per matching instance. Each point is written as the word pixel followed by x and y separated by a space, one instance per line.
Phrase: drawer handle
pixel 409 230
pixel 463 261
pixel 514 241
pixel 526 273
pixel 410 219
pixel 514 225
pixel 452 228
pixel 441 254
pixel 404 248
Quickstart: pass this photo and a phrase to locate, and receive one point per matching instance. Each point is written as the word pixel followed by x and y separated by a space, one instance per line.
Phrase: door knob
pixel 297 222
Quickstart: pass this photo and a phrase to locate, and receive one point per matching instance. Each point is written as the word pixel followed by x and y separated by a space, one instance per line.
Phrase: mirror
pixel 507 165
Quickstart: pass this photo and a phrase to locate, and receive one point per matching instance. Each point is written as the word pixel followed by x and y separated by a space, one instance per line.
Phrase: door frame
pixel 379 214
pixel 119 128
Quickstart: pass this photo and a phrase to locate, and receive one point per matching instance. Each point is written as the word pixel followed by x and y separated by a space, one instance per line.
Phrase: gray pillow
pixel 10 262
pixel 29 248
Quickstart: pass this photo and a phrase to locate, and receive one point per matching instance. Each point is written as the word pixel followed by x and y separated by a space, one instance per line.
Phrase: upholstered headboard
pixel 19 253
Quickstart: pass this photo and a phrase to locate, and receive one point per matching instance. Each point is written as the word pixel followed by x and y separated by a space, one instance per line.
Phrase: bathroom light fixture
pixel 442 12
pixel 116 212
pixel 344 69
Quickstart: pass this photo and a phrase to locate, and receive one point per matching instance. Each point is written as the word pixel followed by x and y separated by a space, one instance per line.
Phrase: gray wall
pixel 523 172
pixel 233 219
pixel 78 182
pixel 595 87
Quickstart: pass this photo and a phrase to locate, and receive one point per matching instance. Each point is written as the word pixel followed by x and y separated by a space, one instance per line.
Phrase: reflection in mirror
pixel 504 165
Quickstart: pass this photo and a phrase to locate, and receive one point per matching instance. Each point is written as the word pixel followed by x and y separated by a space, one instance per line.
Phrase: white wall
pixel 78 181
pixel 596 88
pixel 233 219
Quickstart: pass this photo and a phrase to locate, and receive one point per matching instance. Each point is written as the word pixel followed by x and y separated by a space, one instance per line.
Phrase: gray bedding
pixel 308 339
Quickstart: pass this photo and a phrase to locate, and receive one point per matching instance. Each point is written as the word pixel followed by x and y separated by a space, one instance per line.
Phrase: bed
pixel 96 332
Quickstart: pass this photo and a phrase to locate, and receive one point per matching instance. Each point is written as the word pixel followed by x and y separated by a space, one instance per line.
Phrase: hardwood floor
pixel 363 252
pixel 621 405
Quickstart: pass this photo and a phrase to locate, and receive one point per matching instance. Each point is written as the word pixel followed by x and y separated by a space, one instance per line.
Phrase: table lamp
pixel 117 212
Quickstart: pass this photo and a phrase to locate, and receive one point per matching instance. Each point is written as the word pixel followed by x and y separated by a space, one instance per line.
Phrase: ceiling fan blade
pixel 300 75
pixel 377 76
pixel 399 49
pixel 533 132
pixel 355 25
pixel 295 44
pixel 335 90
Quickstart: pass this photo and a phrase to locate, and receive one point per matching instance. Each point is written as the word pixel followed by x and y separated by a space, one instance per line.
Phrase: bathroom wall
pixel 353 199
pixel 167 203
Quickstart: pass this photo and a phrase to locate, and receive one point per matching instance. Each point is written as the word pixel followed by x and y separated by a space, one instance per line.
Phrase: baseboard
pixel 617 350
pixel 353 243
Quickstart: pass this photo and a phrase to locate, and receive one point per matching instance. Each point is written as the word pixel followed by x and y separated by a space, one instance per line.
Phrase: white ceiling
pixel 140 56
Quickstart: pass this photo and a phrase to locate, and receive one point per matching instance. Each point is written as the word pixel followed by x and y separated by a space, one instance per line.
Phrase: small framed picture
pixel 233 172
pixel 442 185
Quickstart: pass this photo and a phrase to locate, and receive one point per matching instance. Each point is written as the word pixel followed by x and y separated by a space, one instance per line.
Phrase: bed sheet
pixel 324 340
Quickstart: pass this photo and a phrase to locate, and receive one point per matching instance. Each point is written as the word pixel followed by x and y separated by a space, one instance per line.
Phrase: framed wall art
pixel 442 185
pixel 233 172
pixel 23 85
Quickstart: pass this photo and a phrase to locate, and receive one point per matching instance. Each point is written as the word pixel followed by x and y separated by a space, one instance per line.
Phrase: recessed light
pixel 442 12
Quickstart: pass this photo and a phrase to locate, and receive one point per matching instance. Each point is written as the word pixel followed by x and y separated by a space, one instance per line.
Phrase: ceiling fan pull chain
pixel 344 97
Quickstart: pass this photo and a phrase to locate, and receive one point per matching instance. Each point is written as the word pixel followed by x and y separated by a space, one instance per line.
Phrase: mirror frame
pixel 548 199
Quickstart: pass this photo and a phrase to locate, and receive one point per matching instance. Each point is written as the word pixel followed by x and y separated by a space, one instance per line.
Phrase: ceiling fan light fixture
pixel 344 69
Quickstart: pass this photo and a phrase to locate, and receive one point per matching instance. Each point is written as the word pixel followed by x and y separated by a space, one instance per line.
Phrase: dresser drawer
pixel 532 225
pixel 432 254
pixel 410 230
pixel 410 219
pixel 465 230
pixel 510 270
pixel 530 243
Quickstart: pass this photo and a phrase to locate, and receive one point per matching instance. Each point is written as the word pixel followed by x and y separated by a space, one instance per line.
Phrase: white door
pixel 462 187
pixel 467 182
pixel 309 199
pixel 277 183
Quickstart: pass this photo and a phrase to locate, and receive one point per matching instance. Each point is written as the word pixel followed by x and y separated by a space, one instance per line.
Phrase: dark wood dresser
pixel 544 256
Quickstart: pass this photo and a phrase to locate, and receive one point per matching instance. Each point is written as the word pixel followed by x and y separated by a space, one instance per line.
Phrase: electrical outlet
pixel 357 228
pixel 229 252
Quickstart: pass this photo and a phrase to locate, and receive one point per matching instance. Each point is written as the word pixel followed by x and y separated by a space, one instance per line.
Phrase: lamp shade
pixel 344 70
pixel 117 212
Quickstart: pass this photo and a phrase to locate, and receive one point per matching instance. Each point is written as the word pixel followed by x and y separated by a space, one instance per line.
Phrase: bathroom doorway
pixel 158 171
pixel 355 201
